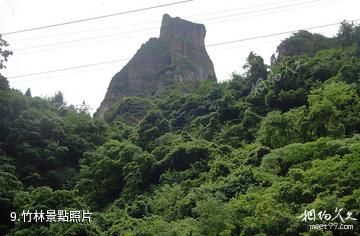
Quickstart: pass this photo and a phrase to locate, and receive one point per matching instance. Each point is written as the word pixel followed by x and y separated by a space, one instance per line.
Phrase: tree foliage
pixel 242 157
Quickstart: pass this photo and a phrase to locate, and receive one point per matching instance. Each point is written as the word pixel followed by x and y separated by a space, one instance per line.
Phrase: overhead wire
pixel 126 59
pixel 96 17
pixel 111 36
pixel 70 73
pixel 266 9
pixel 67 68
pixel 270 11
pixel 274 34
pixel 143 23
pixel 83 39
pixel 209 45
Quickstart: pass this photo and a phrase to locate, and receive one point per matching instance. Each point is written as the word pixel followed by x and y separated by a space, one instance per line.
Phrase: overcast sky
pixel 118 38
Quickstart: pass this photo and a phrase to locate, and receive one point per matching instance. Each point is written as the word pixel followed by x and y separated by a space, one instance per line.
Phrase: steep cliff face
pixel 178 55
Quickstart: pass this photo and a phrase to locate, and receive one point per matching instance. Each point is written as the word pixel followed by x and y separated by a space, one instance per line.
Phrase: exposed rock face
pixel 178 55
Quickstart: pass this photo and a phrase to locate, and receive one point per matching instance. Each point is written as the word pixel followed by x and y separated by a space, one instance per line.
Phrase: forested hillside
pixel 243 157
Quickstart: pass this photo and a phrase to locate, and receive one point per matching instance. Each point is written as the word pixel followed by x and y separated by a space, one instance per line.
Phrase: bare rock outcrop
pixel 177 56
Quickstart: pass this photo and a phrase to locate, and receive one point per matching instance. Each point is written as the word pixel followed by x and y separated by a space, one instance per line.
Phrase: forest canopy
pixel 246 156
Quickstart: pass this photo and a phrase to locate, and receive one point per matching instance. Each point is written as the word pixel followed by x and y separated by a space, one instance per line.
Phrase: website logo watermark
pixel 336 221
pixel 261 83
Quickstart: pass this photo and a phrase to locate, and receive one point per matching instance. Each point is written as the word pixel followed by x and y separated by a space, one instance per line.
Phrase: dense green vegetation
pixel 242 157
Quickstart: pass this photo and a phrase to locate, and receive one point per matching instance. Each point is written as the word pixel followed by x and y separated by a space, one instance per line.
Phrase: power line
pixel 96 18
pixel 209 45
pixel 67 68
pixel 214 49
pixel 83 39
pixel 244 8
pixel 69 46
pixel 271 12
pixel 147 22
pixel 92 69
pixel 116 38
pixel 80 32
pixel 266 9
pixel 17 81
pixel 141 30
pixel 275 34
pixel 67 74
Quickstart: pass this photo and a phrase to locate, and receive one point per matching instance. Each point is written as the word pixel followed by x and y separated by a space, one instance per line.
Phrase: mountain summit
pixel 177 56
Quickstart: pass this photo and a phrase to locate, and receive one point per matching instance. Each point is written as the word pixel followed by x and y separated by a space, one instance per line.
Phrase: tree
pixel 4 83
pixel 153 126
pixel 272 130
pixel 28 93
pixel 214 217
pixel 4 54
pixel 303 43
pixel 273 59
pixel 330 106
pixel 256 70
pixel 58 100
pixel 346 35
pixel 113 169
pixel 277 129
pixel 83 108
pixel 130 110
pixel 9 186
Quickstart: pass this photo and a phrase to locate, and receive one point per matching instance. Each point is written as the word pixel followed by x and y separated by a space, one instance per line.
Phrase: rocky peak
pixel 177 56
pixel 177 28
